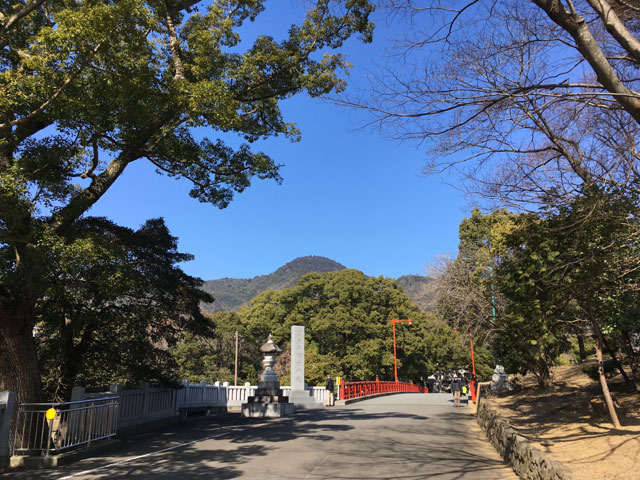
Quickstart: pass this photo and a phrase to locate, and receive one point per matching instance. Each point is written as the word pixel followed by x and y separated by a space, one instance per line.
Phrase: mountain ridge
pixel 232 293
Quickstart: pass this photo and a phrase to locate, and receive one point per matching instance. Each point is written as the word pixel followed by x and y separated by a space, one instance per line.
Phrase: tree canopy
pixel 348 331
pixel 468 297
pixel 87 88
pixel 566 271
pixel 116 301
pixel 523 100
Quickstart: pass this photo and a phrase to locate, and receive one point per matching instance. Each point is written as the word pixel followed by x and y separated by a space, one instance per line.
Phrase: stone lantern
pixel 268 400
pixel 269 351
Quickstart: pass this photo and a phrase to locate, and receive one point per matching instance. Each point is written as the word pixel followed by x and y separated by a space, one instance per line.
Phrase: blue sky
pixel 347 194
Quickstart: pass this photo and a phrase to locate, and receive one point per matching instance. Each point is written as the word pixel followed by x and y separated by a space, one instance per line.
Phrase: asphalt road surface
pixel 405 436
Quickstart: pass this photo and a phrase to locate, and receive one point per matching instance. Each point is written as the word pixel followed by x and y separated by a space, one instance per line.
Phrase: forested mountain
pixel 421 290
pixel 232 293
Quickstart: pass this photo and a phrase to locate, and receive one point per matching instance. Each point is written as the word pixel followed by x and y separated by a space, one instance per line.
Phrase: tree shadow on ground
pixel 390 444
pixel 189 462
pixel 315 424
pixel 564 413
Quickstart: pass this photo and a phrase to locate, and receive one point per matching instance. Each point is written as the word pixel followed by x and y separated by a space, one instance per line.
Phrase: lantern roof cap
pixel 269 346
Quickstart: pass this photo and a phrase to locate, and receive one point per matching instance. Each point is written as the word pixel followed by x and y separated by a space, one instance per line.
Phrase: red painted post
pixel 473 386
pixel 473 363
pixel 395 362
pixel 395 358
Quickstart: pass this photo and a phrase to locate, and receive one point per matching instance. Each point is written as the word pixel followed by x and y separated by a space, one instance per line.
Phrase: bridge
pixel 405 435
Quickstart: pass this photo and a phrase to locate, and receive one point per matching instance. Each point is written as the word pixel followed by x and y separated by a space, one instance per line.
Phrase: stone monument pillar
pixel 299 395
pixel 297 358
pixel 268 400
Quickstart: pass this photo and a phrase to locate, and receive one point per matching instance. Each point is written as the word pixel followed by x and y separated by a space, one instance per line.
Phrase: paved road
pixel 407 436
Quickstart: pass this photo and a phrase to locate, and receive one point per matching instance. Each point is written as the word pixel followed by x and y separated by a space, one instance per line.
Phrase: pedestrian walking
pixel 330 387
pixel 456 387
pixel 431 384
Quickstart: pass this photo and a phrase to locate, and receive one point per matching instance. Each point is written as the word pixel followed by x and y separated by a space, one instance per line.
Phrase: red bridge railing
pixel 362 389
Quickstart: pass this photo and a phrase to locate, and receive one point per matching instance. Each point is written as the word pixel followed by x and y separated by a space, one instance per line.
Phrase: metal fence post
pixel 145 398
pixel 50 428
pixel 91 411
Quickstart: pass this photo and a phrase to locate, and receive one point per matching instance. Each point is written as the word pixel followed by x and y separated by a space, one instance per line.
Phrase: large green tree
pixel 117 300
pixel 467 295
pixel 348 330
pixel 89 87
pixel 576 265
pixel 533 329
pixel 212 358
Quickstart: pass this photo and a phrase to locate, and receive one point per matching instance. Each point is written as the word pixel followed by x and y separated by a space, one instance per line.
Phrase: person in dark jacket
pixel 456 386
pixel 330 390
pixel 431 384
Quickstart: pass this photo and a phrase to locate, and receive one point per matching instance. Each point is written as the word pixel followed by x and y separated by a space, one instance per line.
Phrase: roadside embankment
pixel 528 461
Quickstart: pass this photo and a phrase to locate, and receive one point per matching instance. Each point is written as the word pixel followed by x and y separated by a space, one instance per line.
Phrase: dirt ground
pixel 584 441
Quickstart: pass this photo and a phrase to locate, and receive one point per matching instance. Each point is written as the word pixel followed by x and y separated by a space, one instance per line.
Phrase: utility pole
pixel 235 376
pixel 395 361
pixel 473 363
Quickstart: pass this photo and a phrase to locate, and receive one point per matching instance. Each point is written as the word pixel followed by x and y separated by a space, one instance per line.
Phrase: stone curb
pixel 529 462
pixel 100 447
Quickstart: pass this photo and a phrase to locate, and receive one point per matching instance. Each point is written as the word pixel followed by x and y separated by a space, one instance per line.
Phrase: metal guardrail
pixel 73 424
pixel 350 390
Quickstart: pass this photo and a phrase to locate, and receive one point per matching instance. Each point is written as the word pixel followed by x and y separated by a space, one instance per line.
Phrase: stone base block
pixel 266 399
pixel 304 401
pixel 262 410
pixel 99 448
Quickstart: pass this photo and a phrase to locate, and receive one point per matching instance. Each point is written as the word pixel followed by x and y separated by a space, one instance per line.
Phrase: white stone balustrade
pixel 319 393
pixel 146 404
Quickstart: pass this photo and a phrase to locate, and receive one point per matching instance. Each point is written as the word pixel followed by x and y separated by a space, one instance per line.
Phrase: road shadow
pixel 385 441
pixel 321 424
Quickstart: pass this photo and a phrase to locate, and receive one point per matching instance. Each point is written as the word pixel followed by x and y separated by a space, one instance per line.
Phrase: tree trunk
pixel 634 360
pixel 603 379
pixel 583 352
pixel 19 371
pixel 612 354
pixel 73 356
pixel 543 373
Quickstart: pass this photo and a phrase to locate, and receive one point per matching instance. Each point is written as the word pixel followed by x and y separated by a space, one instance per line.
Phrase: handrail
pixel 349 390
pixel 36 432
pixel 75 402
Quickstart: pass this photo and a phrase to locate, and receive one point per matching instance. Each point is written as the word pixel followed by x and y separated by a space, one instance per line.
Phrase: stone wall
pixel 528 461
pixel 6 411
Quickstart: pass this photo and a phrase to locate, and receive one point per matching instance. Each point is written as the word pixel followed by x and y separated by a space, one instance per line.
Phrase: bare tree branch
pixel 508 103
pixel 616 28
pixel 588 46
